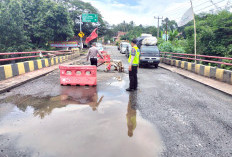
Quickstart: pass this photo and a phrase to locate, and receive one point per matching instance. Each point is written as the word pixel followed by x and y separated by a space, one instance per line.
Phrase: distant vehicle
pixel 99 47
pixel 149 55
pixel 120 43
pixel 128 50
pixel 146 35
pixel 123 47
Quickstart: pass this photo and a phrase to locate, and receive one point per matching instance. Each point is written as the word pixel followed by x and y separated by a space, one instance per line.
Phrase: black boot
pixel 129 89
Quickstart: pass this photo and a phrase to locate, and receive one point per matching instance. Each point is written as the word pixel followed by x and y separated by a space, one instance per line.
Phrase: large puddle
pixel 80 122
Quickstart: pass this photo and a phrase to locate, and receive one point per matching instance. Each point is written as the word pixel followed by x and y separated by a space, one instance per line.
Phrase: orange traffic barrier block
pixel 106 59
pixel 78 75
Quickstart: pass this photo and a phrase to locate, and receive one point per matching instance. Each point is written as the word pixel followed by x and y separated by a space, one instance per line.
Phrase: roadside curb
pixel 202 70
pixel 12 70
pixel 11 83
pixel 215 84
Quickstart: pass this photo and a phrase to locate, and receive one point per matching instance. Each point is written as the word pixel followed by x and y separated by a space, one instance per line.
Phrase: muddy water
pixel 80 122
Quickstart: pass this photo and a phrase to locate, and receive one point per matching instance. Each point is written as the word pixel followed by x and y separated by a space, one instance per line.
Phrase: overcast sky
pixel 143 11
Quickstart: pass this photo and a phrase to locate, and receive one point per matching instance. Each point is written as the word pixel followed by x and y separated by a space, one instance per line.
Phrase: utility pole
pixel 159 18
pixel 195 33
pixel 97 33
pixel 166 29
pixel 165 21
pixel 81 44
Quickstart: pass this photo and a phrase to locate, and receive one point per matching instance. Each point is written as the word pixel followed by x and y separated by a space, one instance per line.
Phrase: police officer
pixel 133 66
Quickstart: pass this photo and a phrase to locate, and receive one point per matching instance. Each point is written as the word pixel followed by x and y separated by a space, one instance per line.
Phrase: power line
pixel 228 5
pixel 202 4
pixel 178 13
pixel 209 6
pixel 181 12
pixel 218 8
pixel 198 11
pixel 180 7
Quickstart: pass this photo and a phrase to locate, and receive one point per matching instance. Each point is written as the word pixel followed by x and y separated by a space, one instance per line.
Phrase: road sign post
pixel 81 44
pixel 86 18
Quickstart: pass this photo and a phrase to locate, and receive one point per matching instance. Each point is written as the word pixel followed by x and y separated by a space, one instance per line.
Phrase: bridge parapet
pixel 200 69
pixel 11 70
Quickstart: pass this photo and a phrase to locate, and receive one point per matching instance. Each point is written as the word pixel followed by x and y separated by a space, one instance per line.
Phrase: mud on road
pixel 42 118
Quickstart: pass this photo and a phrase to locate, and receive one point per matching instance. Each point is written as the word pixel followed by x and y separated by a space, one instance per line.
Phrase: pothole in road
pixel 102 119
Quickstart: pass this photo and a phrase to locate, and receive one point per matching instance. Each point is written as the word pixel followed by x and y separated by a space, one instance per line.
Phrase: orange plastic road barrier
pixel 78 75
pixel 106 59
pixel 109 66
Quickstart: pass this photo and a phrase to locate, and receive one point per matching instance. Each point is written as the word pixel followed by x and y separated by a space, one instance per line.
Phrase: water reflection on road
pixel 69 95
pixel 81 121
pixel 131 114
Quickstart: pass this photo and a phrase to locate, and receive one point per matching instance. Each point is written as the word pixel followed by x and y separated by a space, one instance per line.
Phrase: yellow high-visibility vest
pixel 136 58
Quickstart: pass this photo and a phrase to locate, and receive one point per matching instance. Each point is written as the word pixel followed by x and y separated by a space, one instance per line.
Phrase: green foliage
pixel 13 37
pixel 171 25
pixel 76 8
pixel 178 50
pixel 173 35
pixel 179 44
pixel 132 30
pixel 213 34
pixel 31 24
pixel 166 47
pixel 174 46
pixel 123 27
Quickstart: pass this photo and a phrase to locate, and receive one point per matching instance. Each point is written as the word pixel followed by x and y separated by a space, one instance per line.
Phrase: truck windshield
pixel 150 49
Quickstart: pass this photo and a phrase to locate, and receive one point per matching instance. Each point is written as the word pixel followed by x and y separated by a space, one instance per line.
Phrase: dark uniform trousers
pixel 133 77
pixel 93 61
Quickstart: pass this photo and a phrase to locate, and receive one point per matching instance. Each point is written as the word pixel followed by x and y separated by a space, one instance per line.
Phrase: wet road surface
pixel 168 116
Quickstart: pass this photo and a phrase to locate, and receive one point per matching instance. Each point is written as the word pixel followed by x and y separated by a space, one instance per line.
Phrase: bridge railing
pixel 22 56
pixel 200 58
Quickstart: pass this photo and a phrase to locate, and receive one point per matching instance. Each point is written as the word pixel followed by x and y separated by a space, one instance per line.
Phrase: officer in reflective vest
pixel 133 66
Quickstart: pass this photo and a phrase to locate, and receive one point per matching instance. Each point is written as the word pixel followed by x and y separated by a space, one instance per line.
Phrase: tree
pixel 46 21
pixel 76 8
pixel 13 37
pixel 31 24
pixel 173 35
pixel 213 34
pixel 171 25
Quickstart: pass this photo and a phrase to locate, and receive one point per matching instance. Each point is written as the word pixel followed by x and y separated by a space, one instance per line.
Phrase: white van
pixel 123 47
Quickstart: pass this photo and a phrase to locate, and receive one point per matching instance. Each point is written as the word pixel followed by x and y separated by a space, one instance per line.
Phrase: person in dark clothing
pixel 133 66
pixel 92 54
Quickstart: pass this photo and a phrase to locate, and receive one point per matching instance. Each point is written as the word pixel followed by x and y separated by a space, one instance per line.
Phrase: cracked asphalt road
pixel 169 115
pixel 193 119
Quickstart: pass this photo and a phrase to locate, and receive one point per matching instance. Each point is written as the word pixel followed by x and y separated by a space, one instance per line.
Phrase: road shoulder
pixel 221 86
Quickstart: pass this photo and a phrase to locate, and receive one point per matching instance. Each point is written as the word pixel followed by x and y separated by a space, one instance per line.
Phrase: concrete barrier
pixel 203 70
pixel 11 70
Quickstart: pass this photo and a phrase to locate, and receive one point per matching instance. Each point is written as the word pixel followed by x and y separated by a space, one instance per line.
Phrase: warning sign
pixel 81 34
